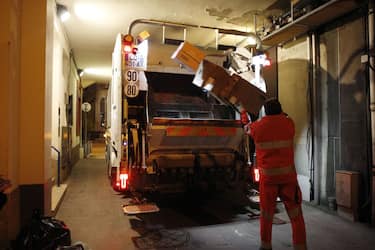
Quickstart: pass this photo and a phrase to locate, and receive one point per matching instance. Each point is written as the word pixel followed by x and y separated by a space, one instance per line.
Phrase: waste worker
pixel 273 135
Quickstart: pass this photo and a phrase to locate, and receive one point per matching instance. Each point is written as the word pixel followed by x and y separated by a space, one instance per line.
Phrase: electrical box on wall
pixel 347 191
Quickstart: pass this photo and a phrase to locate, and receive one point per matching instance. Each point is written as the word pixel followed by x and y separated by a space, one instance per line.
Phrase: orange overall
pixel 273 136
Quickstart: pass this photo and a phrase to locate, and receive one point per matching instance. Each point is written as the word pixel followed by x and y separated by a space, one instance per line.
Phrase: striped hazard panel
pixel 200 131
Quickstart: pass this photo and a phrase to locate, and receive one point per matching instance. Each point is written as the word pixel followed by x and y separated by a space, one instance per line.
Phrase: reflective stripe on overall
pixel 273 138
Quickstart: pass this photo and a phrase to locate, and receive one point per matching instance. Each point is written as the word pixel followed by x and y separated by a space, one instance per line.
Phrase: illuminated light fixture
pixel 267 63
pixel 251 40
pixel 62 12
pixel 89 12
pixel 208 86
pixel 105 72
pixel 128 43
pixel 256 175
pixel 127 48
pixel 80 72
pixel 261 59
pixel 123 180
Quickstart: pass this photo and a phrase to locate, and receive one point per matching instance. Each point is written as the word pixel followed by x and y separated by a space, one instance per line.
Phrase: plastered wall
pixel 10 43
pixel 293 79
pixel 65 82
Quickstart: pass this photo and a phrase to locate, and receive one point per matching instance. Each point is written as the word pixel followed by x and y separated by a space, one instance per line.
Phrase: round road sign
pixel 86 107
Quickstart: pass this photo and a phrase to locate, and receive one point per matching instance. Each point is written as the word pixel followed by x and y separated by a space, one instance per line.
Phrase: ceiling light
pixel 105 72
pixel 62 12
pixel 251 40
pixel 88 12
pixel 80 72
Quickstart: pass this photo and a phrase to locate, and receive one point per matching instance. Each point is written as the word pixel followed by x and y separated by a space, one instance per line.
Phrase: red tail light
pixel 128 43
pixel 127 48
pixel 256 174
pixel 123 181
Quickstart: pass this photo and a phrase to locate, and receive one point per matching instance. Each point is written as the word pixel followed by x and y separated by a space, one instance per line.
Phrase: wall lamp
pixel 62 12
pixel 80 72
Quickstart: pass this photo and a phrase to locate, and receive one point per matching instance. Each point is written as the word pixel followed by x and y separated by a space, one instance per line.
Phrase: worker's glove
pixel 245 121
pixel 247 128
pixel 244 117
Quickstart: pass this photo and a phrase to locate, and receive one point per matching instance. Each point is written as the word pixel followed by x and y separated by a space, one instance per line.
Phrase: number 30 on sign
pixel 131 90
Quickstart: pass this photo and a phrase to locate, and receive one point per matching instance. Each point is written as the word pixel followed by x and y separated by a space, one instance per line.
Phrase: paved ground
pixel 93 212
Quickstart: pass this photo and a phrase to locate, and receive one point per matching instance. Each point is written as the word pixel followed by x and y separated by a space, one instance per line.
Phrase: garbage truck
pixel 170 132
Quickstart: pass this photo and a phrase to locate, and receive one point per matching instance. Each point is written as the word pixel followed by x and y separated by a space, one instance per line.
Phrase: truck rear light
pixel 127 48
pixel 256 174
pixel 128 44
pixel 123 181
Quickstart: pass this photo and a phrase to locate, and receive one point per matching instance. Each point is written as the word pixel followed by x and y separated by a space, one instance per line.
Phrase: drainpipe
pixel 313 75
pixel 371 62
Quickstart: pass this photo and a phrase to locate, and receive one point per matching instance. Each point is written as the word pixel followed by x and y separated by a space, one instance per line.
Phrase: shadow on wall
pixel 338 110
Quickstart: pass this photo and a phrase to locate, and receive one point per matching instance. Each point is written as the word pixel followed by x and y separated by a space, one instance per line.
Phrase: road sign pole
pixel 86 107
pixel 86 146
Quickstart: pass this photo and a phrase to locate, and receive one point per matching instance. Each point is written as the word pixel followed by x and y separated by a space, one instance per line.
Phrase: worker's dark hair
pixel 272 106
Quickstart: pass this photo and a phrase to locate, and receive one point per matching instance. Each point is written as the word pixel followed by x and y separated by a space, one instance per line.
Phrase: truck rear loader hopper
pixel 178 134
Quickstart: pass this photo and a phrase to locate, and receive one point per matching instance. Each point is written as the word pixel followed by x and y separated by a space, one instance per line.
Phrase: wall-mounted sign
pixel 131 90
pixel 131 76
pixel 137 60
pixel 86 107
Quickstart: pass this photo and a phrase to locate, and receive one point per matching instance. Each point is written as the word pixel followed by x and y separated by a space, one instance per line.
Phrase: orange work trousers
pixel 291 196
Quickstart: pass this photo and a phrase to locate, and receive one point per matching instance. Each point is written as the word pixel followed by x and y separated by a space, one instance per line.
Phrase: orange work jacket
pixel 273 136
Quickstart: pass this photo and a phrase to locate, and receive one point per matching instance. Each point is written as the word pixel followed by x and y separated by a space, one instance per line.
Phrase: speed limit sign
pixel 132 80
pixel 131 76
pixel 131 90
pixel 86 107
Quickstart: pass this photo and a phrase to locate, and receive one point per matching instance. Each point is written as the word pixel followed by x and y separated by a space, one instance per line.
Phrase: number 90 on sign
pixel 131 90
pixel 131 76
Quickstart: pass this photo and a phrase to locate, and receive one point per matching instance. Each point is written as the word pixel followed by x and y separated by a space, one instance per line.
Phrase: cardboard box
pixel 209 73
pixel 246 95
pixel 189 56
pixel 232 88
